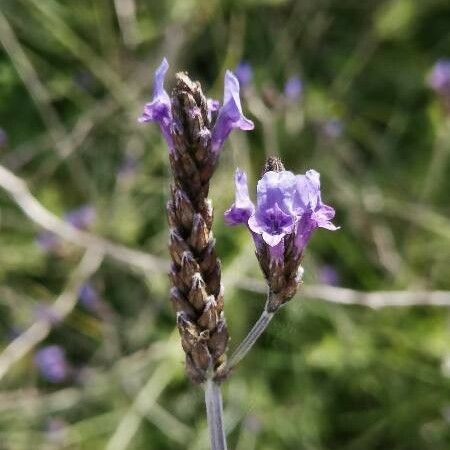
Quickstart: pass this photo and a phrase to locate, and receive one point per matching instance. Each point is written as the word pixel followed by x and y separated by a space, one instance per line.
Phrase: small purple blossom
pixel 81 217
pixel 47 241
pixel 230 115
pixel 159 109
pixel 243 207
pixel 244 73
pixel 51 362
pixel 333 128
pixel 88 297
pixel 439 78
pixel 293 88
pixel 327 274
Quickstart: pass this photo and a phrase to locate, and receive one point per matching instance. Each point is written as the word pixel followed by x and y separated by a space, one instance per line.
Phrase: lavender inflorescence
pixel 289 208
pixel 195 129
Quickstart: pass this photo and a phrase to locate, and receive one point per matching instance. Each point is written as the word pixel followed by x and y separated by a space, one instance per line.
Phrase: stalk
pixel 214 412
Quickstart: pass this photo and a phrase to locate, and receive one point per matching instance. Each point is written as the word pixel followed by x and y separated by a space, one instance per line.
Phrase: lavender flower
pixel 81 218
pixel 244 73
pixel 159 109
pixel 230 114
pixel 293 88
pixel 51 362
pixel 439 78
pixel 289 208
pixel 243 207
pixel 88 297
pixel 328 274
pixel 333 128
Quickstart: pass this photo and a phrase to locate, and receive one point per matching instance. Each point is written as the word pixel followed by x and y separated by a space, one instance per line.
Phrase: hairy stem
pixel 253 335
pixel 214 412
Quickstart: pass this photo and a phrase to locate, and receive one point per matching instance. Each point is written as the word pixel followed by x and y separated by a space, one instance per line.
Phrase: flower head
pixel 288 209
pixel 159 109
pixel 293 88
pixel 230 115
pixel 51 362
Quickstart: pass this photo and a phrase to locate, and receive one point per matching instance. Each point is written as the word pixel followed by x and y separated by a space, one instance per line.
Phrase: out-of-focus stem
pixel 253 335
pixel 214 412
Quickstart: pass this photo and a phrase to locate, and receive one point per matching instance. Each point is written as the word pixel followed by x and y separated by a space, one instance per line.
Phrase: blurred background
pixel 358 90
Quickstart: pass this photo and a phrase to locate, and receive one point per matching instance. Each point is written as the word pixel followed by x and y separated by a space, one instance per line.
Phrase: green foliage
pixel 73 79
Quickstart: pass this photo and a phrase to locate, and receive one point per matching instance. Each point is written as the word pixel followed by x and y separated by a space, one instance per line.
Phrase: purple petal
pixel 159 109
pixel 243 207
pixel 276 188
pixel 230 115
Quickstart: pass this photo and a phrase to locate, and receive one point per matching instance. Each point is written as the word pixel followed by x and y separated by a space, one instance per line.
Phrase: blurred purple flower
pixel 81 218
pixel 159 110
pixel 47 241
pixel 244 73
pixel 328 274
pixel 88 297
pixel 230 115
pixel 56 430
pixel 52 364
pixel 333 128
pixel 439 78
pixel 293 88
pixel 287 204
pixel 46 313
pixel 127 168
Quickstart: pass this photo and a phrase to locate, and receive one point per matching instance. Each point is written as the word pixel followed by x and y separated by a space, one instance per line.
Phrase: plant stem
pixel 214 412
pixel 248 342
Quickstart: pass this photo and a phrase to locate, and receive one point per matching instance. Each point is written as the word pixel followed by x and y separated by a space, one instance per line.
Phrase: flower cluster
pixel 51 362
pixel 288 209
pixel 225 117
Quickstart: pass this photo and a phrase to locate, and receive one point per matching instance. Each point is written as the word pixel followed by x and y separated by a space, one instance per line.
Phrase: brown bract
pixel 197 292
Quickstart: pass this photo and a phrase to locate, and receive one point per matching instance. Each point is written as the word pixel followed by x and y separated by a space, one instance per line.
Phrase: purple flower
pixel 439 78
pixel 89 298
pixel 230 115
pixel 47 241
pixel 81 218
pixel 51 362
pixel 333 128
pixel 159 109
pixel 293 88
pixel 243 207
pixel 327 274
pixel 286 204
pixel 244 73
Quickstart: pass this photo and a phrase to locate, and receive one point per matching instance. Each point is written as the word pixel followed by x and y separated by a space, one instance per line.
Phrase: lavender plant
pixel 288 210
